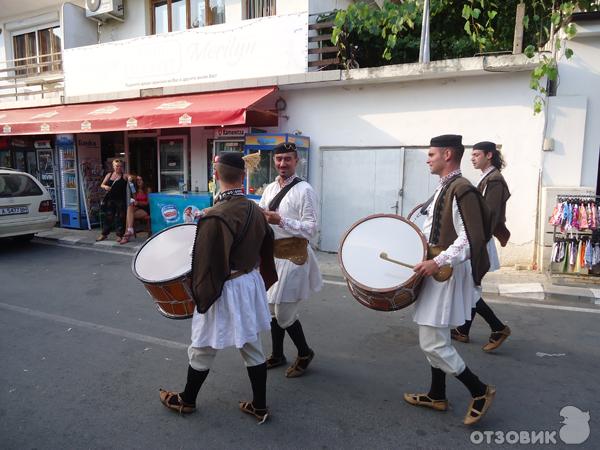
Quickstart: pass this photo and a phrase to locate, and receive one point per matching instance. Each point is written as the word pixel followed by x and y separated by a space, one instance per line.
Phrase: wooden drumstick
pixel 384 255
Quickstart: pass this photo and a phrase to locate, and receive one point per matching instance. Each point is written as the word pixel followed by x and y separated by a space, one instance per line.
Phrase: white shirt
pixel 298 211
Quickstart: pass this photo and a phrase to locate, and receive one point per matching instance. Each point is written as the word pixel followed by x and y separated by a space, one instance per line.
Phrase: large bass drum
pixel 164 265
pixel 376 256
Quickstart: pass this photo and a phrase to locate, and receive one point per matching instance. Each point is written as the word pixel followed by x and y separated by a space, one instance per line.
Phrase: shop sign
pixel 86 125
pixel 45 144
pixel 230 132
pixel 131 123
pixel 44 128
pixel 6 129
pixel 223 52
pixel 185 119
pixel 18 143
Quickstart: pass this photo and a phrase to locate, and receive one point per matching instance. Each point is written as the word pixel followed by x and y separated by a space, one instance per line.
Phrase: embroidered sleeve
pixel 306 227
pixel 459 251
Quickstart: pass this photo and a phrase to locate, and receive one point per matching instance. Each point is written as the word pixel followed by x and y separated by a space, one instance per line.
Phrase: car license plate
pixel 13 210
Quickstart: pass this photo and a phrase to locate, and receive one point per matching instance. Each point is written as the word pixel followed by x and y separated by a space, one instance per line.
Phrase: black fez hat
pixel 231 159
pixel 285 147
pixel 486 146
pixel 447 140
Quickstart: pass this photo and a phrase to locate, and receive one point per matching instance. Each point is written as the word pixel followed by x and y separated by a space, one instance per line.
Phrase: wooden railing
pixel 32 76
pixel 322 54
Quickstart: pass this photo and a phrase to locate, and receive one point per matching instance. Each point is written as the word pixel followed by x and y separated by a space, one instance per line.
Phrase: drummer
pixel 456 221
pixel 230 295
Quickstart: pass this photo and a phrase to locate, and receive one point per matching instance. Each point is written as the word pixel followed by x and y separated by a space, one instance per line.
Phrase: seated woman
pixel 138 207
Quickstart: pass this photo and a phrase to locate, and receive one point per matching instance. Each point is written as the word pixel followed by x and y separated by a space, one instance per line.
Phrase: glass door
pixel 172 164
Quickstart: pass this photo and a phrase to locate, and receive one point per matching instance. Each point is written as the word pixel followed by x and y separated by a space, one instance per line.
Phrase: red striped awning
pixel 207 109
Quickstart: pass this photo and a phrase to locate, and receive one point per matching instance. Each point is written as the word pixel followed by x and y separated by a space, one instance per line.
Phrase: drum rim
pixel 143 280
pixel 375 216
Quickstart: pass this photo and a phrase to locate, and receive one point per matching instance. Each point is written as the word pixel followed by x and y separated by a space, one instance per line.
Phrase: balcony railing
pixel 33 77
pixel 322 54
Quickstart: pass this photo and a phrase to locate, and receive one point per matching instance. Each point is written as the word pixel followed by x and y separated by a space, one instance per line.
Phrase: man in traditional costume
pixel 457 223
pixel 487 158
pixel 290 206
pixel 232 240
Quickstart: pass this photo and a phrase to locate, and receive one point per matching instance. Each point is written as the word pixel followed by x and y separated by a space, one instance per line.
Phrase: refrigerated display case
pixel 46 166
pixel 173 164
pixel 266 172
pixel 70 211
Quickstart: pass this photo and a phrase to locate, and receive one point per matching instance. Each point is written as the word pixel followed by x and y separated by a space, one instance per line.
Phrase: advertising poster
pixel 167 210
pixel 91 172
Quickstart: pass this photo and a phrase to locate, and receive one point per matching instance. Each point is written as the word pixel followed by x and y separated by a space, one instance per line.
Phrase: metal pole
pixel 424 56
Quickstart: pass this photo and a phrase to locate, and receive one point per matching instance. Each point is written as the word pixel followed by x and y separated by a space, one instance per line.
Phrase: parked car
pixel 25 205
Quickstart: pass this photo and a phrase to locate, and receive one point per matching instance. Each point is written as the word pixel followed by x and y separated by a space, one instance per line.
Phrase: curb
pixel 534 291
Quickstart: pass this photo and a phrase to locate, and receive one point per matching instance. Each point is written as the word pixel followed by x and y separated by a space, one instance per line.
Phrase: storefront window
pixel 161 17
pixel 258 8
pixel 178 12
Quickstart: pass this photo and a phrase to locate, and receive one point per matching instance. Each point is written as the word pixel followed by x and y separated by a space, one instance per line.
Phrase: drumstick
pixel 384 255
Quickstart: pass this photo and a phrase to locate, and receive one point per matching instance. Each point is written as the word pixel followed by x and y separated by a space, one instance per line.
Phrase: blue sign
pixel 167 210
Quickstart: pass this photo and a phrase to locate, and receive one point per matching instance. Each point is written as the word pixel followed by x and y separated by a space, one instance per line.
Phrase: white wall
pixel 136 23
pixel 580 76
pixel 496 108
pixel 321 6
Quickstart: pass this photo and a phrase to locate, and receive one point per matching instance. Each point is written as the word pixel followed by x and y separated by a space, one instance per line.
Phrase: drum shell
pixel 391 299
pixel 173 298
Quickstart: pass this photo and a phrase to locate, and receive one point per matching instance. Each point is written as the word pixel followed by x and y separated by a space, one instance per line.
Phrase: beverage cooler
pixel 46 168
pixel 266 171
pixel 70 211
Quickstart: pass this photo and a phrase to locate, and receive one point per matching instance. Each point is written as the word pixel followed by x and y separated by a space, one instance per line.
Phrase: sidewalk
pixel 506 281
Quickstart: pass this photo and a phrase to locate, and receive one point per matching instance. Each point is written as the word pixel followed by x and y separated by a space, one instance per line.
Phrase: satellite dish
pixel 93 5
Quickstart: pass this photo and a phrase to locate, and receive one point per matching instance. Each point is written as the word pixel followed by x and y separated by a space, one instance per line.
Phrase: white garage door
pixel 355 184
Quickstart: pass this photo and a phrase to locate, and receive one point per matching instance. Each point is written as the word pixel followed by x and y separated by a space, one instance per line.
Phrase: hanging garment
pixel 583 221
pixel 588 256
pixel 555 250
pixel 565 264
pixel 578 266
pixel 556 217
pixel 596 254
pixel 575 217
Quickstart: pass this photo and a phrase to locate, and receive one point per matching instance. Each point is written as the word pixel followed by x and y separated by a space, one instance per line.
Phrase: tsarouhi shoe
pixel 475 415
pixel 425 400
pixel 300 365
pixel 261 414
pixel 173 401
pixel 496 339
pixel 458 336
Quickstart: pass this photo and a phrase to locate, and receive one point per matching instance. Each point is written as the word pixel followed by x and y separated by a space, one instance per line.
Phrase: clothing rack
pixel 568 237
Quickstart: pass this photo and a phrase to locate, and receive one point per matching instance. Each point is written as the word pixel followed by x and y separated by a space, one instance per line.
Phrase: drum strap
pixel 274 204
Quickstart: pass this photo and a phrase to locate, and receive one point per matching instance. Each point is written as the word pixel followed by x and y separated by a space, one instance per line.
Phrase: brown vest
pixel 475 216
pixel 495 192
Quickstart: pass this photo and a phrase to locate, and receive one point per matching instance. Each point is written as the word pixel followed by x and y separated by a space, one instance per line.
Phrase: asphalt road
pixel 83 353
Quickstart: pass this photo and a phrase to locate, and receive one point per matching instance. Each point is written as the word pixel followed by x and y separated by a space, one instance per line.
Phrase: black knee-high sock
pixel 466 327
pixel 488 315
pixel 258 380
pixel 438 384
pixel 472 383
pixel 195 378
pixel 277 336
pixel 297 335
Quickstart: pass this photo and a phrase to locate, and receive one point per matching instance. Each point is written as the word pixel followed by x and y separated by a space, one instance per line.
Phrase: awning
pixel 207 109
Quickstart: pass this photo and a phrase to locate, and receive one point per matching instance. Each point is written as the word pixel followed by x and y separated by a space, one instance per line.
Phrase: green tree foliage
pixel 369 36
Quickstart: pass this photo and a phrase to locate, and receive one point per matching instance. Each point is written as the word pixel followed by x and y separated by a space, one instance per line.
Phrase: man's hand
pixel 272 217
pixel 427 268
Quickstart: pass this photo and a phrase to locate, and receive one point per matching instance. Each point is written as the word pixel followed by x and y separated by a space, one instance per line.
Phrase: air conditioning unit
pixel 104 9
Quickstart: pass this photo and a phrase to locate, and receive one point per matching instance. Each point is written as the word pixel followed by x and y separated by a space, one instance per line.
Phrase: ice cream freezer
pixel 167 210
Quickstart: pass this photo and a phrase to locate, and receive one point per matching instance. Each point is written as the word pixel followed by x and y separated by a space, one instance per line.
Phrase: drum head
pixel 365 241
pixel 166 255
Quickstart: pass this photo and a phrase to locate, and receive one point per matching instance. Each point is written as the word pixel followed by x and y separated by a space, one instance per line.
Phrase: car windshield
pixel 17 185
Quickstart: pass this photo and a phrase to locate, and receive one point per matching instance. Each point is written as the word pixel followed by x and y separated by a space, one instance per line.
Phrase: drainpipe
pixel 424 56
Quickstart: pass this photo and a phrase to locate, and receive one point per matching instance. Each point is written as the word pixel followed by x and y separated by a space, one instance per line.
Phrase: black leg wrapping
pixel 438 384
pixel 297 335
pixel 195 379
pixel 258 380
pixel 472 383
pixel 277 336
pixel 466 327
pixel 488 315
